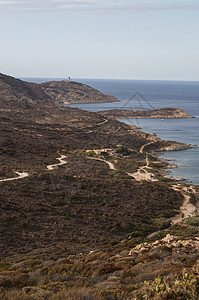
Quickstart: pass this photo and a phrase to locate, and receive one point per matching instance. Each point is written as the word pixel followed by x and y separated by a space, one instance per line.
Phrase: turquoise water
pixel 156 94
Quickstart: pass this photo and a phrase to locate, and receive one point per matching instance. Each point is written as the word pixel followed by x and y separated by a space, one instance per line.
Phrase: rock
pixel 143 250
pixel 168 238
pixel 156 243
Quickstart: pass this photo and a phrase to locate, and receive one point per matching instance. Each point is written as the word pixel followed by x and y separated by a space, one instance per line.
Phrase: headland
pixel 80 222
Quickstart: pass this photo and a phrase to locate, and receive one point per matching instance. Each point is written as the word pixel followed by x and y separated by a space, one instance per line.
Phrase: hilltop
pixel 66 92
pixel 49 93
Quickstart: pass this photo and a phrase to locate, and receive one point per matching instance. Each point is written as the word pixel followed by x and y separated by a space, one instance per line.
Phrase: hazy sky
pixel 143 39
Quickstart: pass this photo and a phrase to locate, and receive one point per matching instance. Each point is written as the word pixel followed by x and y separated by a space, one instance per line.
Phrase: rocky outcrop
pixel 162 113
pixel 169 246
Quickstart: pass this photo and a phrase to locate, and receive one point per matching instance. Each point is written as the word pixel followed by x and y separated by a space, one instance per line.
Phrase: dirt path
pixel 187 209
pixel 20 176
pixel 111 166
pixel 140 175
pixel 143 146
pixel 62 162
pixel 24 174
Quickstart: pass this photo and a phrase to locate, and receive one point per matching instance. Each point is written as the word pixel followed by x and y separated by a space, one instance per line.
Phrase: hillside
pixel 165 269
pixel 49 93
pixel 14 91
pixel 66 92
pixel 31 139
pixel 68 187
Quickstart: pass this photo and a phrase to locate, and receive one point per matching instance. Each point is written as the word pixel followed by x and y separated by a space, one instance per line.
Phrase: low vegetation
pixel 82 231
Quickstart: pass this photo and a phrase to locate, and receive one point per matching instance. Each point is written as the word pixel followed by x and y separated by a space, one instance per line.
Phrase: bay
pixel 141 94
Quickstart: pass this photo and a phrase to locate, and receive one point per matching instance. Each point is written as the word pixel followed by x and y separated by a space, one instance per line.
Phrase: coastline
pixel 162 113
pixel 178 165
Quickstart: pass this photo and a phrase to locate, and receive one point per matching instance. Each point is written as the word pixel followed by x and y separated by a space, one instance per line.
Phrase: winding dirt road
pixel 143 146
pixel 111 166
pixel 187 208
pixel 140 175
pixel 22 175
pixel 62 162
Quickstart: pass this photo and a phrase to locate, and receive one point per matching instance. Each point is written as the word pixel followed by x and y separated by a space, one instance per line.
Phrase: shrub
pixel 108 268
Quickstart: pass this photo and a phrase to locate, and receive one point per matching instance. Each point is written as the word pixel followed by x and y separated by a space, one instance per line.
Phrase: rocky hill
pixel 162 113
pixel 66 92
pixel 49 93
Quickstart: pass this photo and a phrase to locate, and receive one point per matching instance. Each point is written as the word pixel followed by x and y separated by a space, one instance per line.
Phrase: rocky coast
pixel 76 224
pixel 166 112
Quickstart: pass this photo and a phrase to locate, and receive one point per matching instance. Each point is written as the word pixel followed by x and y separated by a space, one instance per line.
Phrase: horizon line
pixel 101 78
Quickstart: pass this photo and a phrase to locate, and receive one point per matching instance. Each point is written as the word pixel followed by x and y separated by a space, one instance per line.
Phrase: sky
pixel 110 39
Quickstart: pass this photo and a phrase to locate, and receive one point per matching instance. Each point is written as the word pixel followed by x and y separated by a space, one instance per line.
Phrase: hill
pixel 14 91
pixel 60 199
pixel 49 93
pixel 66 92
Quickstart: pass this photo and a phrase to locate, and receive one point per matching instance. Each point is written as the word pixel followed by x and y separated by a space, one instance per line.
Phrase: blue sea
pixel 141 94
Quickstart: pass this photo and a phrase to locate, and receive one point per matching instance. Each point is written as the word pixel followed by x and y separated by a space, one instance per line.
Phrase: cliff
pixel 162 113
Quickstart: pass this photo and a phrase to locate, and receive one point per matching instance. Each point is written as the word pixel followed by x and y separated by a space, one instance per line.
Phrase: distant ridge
pixel 49 93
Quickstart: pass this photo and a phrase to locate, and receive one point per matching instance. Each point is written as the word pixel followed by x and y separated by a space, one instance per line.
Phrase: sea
pixel 148 94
